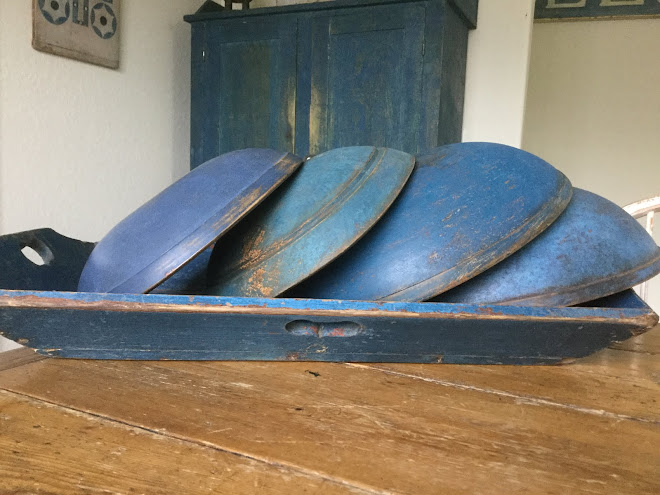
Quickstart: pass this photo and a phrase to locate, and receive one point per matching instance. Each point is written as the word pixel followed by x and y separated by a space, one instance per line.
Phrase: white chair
pixel 647 208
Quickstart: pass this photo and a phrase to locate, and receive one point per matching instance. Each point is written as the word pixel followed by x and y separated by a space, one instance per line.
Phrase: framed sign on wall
pixel 548 10
pixel 86 30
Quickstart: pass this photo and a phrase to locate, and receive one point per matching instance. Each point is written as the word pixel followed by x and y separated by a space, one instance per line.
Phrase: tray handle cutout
pixel 35 250
pixel 324 329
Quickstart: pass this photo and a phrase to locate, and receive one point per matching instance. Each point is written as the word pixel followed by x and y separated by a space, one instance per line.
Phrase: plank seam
pixel 648 353
pixel 519 398
pixel 308 473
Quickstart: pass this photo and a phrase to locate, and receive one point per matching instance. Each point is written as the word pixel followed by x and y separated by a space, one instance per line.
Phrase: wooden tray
pixel 156 326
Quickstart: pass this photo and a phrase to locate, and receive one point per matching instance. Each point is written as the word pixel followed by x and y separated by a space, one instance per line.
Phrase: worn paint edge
pixel 380 160
pixel 640 318
pixel 526 232
pixel 616 284
pixel 202 237
pixel 343 195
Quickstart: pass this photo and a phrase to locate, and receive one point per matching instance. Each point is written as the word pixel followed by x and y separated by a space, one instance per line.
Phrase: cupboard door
pixel 360 78
pixel 244 87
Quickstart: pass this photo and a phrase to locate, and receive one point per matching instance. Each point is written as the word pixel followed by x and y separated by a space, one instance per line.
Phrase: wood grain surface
pixel 648 343
pixel 588 427
pixel 50 449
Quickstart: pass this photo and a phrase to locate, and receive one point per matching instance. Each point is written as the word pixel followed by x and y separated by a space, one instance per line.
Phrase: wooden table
pixel 73 426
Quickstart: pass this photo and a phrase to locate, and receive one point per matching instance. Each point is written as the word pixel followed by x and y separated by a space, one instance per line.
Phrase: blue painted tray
pixel 161 236
pixel 594 249
pixel 327 205
pixel 151 326
pixel 466 207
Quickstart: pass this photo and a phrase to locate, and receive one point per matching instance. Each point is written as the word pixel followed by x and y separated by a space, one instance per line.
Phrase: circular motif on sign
pixel 55 11
pixel 104 21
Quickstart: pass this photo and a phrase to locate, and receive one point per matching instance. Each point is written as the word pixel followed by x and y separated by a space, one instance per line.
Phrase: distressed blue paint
pixel 465 207
pixel 327 205
pixel 467 9
pixel 446 60
pixel 190 278
pixel 115 326
pixel 625 306
pixel 162 235
pixel 329 74
pixel 200 94
pixel 151 326
pixel 250 107
pixel 586 9
pixel 593 249
pixel 366 78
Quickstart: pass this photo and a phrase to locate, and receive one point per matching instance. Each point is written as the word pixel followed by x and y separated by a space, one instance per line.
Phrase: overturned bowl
pixel 330 203
pixel 165 233
pixel 594 249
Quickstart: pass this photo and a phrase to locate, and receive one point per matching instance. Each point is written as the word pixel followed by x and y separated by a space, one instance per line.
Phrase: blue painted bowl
pixel 466 207
pixel 323 209
pixel 165 233
pixel 594 249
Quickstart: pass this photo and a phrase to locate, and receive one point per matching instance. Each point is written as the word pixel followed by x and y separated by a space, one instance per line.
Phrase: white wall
pixel 593 104
pixel 81 146
pixel 593 107
pixel 498 58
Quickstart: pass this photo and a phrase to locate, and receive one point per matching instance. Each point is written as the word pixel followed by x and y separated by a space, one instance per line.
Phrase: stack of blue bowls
pixel 477 223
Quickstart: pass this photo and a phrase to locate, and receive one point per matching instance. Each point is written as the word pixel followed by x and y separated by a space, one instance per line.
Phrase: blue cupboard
pixel 311 77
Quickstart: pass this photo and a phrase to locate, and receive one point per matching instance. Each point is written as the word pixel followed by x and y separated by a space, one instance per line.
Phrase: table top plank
pixel 49 449
pixel 648 342
pixel 365 426
pixel 611 382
